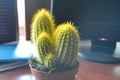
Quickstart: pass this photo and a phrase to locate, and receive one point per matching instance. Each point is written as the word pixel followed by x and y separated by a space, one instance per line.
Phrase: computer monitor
pixel 97 20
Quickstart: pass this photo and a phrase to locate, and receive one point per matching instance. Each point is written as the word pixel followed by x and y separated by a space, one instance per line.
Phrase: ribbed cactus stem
pixel 67 40
pixel 42 21
pixel 45 47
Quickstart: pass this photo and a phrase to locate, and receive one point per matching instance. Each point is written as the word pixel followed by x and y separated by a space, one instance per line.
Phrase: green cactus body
pixel 42 21
pixel 45 47
pixel 67 40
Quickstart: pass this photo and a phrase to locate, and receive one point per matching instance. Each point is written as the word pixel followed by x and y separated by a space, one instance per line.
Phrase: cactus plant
pixel 57 46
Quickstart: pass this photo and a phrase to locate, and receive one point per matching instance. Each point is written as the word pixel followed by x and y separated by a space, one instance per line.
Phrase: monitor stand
pixel 100 51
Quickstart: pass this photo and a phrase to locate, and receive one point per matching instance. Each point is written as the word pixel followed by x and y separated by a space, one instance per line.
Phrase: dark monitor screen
pixel 94 18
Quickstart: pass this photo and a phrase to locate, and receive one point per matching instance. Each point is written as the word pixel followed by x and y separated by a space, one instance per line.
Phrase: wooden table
pixel 87 71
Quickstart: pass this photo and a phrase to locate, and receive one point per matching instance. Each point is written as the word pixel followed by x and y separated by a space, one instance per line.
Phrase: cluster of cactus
pixel 57 46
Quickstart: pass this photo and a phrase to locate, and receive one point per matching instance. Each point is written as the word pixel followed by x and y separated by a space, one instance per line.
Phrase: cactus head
pixel 46 49
pixel 67 44
pixel 42 21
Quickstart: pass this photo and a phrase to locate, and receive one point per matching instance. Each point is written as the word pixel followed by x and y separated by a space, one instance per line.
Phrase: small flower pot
pixel 65 75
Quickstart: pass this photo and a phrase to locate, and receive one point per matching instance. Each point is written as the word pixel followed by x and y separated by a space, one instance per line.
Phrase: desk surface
pixel 87 71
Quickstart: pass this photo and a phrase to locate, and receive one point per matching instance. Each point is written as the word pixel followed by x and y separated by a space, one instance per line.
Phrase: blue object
pixel 15 52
